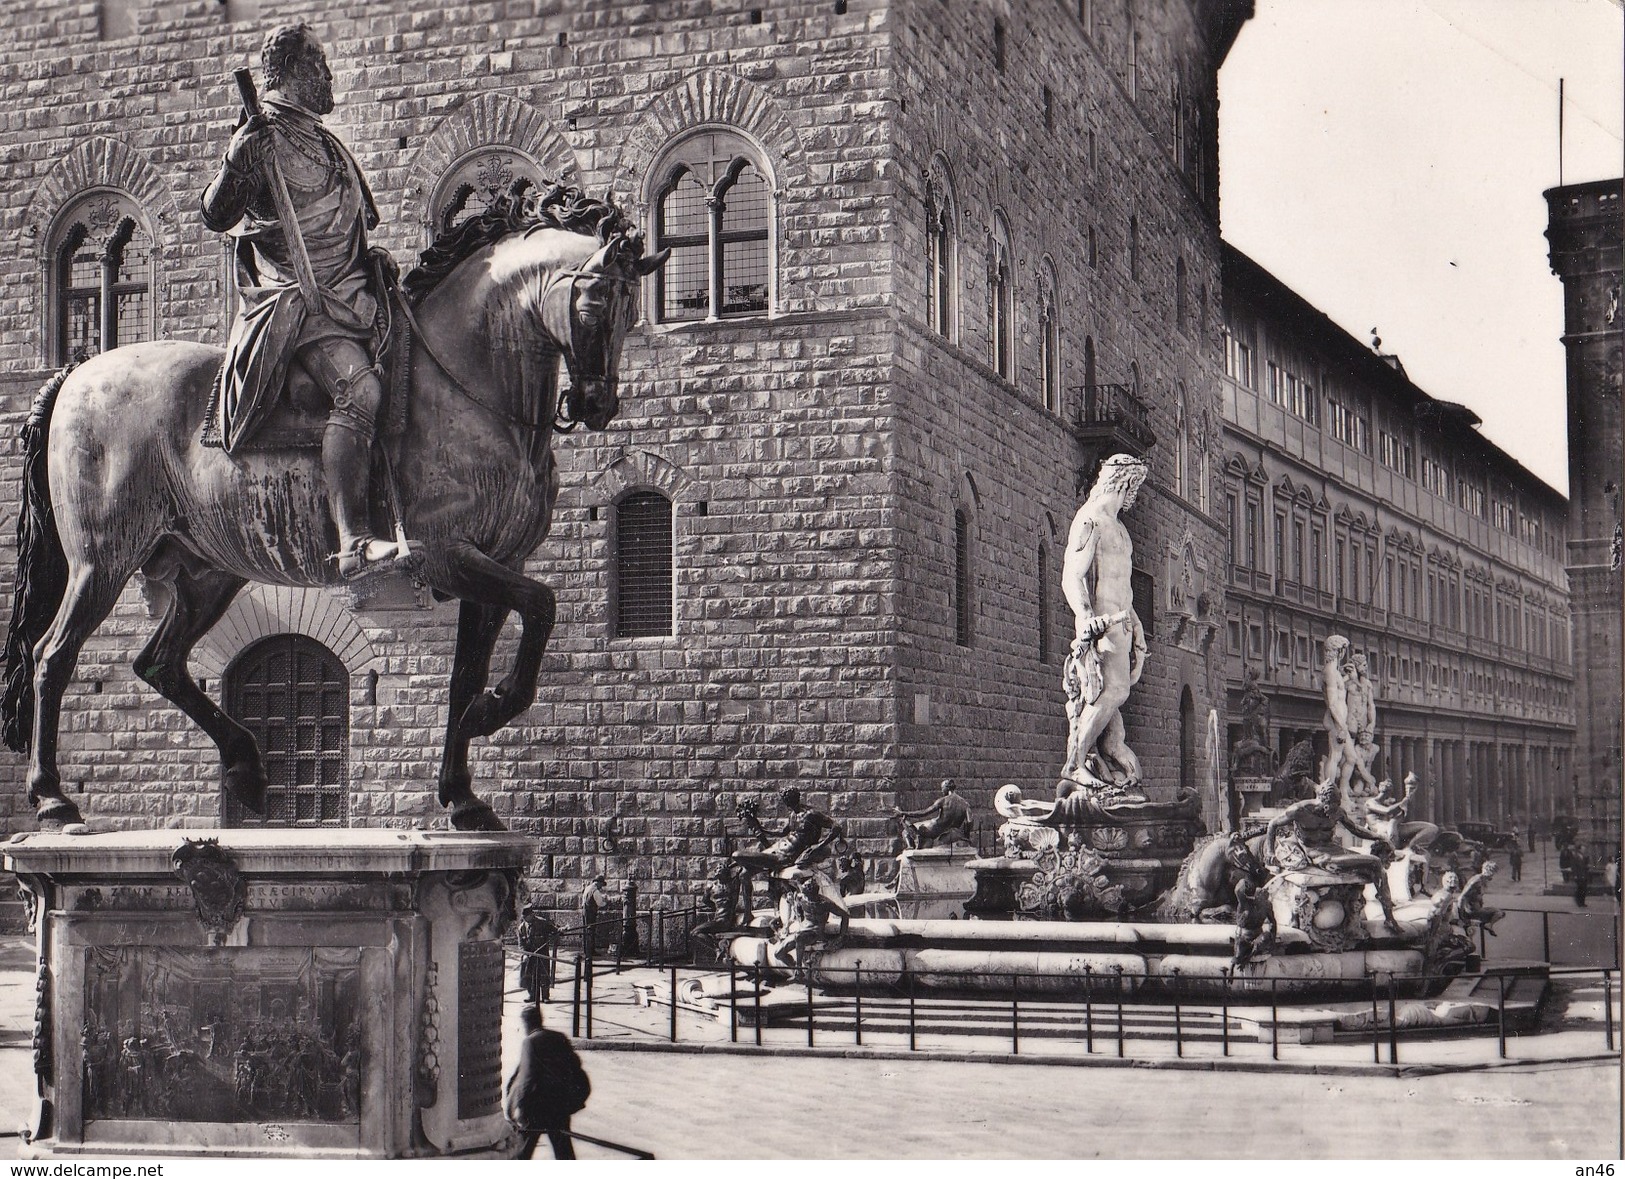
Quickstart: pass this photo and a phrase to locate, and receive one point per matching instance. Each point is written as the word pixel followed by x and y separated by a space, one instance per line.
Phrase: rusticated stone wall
pixel 812 457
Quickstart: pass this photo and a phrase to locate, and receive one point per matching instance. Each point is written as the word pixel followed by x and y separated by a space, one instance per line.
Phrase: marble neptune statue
pixel 1108 650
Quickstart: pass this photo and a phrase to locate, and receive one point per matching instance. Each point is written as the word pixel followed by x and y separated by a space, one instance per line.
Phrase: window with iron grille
pixel 962 606
pixel 714 211
pixel 1143 592
pixel 101 277
pixel 293 694
pixel 643 566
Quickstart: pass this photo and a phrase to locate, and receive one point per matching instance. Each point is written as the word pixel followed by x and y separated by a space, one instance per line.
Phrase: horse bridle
pixel 562 421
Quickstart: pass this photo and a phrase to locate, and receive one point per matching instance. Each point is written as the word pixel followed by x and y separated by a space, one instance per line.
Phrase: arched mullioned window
pixel 474 181
pixel 1043 603
pixel 642 588
pixel 293 694
pixel 1182 418
pixel 713 207
pixel 1002 299
pixel 963 630
pixel 1181 295
pixel 1049 336
pixel 101 276
pixel 941 261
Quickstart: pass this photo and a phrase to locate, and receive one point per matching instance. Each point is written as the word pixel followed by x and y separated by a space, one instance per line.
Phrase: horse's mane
pixel 522 207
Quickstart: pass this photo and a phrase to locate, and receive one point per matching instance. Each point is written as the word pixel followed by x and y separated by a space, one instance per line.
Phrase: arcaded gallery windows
pixel 100 277
pixel 940 260
pixel 642 574
pixel 713 207
pixel 293 694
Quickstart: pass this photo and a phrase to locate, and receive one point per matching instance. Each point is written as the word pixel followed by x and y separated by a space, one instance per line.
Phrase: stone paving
pixel 1556 1095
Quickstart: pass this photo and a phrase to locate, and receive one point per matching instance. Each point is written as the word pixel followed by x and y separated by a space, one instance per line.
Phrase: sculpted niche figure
pixel 1108 652
pixel 293 197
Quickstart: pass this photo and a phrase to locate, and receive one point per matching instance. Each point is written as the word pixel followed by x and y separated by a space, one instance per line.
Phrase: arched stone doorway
pixel 1187 742
pixel 293 694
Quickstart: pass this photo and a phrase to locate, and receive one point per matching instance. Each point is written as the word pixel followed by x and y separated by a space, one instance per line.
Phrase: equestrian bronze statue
pixel 124 474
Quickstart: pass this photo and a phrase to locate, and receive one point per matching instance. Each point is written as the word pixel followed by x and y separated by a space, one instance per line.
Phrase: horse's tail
pixel 42 573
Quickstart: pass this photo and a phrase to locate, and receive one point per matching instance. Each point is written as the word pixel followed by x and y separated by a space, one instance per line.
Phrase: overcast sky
pixel 1386 160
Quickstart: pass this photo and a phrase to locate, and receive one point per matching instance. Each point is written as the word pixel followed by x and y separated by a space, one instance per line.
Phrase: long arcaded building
pixel 1359 505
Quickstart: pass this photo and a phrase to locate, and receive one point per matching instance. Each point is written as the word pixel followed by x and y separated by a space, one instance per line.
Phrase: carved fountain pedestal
pixel 269 993
pixel 1083 859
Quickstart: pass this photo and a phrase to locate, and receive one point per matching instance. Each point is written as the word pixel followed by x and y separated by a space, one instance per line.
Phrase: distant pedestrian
pixel 537 937
pixel 1580 873
pixel 1515 861
pixel 1532 826
pixel 1613 873
pixel 594 931
pixel 547 1087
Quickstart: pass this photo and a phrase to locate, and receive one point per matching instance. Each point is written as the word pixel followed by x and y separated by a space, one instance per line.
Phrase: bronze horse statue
pixel 117 480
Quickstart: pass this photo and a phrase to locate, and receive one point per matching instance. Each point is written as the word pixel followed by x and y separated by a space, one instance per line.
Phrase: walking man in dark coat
pixel 548 1085
pixel 1580 873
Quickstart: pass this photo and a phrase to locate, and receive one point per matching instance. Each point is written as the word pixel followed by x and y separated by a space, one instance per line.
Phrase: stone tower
pixel 1586 243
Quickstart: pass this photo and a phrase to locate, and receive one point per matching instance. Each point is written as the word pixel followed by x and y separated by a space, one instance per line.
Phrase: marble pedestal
pixel 934 883
pixel 266 993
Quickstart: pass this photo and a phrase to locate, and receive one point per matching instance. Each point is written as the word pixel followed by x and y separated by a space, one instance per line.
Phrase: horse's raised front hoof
pixel 246 782
pixel 474 815
pixel 57 814
pixel 486 714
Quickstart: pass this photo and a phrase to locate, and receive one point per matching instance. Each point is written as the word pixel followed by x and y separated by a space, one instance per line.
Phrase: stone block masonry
pixel 812 456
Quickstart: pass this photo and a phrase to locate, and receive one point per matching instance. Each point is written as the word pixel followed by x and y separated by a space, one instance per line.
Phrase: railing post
pixel 756 976
pixel 857 1000
pixel 1275 1024
pixel 1376 1025
pixel 733 999
pixel 1501 1015
pixel 1393 1022
pixel 1546 937
pixel 1608 1007
pixel 589 997
pixel 911 1043
pixel 575 1002
pixel 1015 1015
pixel 1088 1009
pixel 1224 1013
pixel 1483 944
pixel 809 1008
pixel 1179 1031
pixel 661 939
pixel 1120 1052
pixel 674 1004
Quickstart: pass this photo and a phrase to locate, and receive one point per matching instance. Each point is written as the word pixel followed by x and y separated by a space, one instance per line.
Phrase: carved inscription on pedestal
pixel 479 1028
pixel 226 1034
